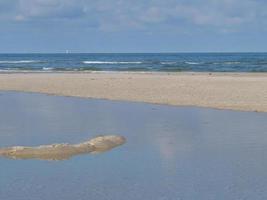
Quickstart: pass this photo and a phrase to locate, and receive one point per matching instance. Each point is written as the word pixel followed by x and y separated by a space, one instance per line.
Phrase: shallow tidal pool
pixel 171 153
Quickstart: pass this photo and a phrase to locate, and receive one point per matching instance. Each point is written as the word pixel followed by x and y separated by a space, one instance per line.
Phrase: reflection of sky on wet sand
pixel 171 152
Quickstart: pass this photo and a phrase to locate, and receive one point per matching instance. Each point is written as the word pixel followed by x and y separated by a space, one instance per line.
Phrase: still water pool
pixel 171 152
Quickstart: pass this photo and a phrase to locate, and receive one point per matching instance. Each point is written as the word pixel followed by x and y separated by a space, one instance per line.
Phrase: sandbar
pixel 99 144
pixel 235 91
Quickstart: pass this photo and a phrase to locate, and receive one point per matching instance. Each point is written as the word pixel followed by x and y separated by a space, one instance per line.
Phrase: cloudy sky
pixel 133 25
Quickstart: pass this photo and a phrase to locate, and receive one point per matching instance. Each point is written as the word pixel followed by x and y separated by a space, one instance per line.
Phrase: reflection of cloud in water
pixel 63 151
pixel 175 137
pixel 171 147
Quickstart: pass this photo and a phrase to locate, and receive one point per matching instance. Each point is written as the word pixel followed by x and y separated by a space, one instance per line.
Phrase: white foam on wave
pixel 226 63
pixel 111 62
pixel 191 63
pixel 47 68
pixel 232 62
pixel 168 62
pixel 18 61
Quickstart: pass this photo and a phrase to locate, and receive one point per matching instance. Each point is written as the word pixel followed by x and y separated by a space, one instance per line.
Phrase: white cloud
pixel 51 9
pixel 143 14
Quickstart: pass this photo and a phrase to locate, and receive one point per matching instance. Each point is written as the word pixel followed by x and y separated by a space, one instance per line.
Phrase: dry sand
pixel 243 91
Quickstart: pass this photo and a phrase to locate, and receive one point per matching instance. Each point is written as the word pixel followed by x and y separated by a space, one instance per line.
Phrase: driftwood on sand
pixel 63 151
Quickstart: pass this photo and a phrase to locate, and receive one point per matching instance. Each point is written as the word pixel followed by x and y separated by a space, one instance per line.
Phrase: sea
pixel 138 62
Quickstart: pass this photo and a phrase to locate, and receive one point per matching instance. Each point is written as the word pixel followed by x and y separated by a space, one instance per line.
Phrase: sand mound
pixel 63 151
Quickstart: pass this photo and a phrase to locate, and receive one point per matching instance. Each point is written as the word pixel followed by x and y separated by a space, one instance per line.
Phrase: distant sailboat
pixel 67 51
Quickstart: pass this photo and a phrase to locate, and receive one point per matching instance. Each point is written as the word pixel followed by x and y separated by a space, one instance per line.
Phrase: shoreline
pixel 221 90
pixel 218 73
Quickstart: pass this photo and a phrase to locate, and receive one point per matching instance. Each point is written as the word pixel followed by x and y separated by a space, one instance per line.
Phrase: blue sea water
pixel 162 62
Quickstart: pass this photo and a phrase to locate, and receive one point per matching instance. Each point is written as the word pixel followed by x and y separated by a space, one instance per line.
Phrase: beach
pixel 235 91
pixel 133 100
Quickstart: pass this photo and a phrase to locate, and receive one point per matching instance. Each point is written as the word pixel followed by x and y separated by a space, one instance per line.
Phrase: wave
pixel 168 63
pixel 112 62
pixel 177 62
pixel 231 62
pixel 18 61
pixel 223 63
pixel 191 63
pixel 48 68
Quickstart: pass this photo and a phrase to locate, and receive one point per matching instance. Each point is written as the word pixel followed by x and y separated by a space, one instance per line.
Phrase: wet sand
pixel 241 91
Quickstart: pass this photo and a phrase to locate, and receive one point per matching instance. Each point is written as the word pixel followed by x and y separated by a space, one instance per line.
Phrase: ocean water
pixel 156 62
pixel 171 153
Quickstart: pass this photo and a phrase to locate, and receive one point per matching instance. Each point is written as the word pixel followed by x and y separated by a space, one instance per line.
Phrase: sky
pixel 50 26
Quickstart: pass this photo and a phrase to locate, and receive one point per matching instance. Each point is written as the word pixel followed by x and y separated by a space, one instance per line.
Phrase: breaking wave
pixel 18 61
pixel 111 62
pixel 191 63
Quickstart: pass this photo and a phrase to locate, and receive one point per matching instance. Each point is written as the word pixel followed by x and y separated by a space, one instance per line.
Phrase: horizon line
pixel 166 52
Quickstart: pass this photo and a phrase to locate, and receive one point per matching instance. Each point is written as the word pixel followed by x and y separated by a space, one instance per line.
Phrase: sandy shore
pixel 246 91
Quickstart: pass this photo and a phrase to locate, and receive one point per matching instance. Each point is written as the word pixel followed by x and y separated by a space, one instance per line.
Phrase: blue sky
pixel 133 25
